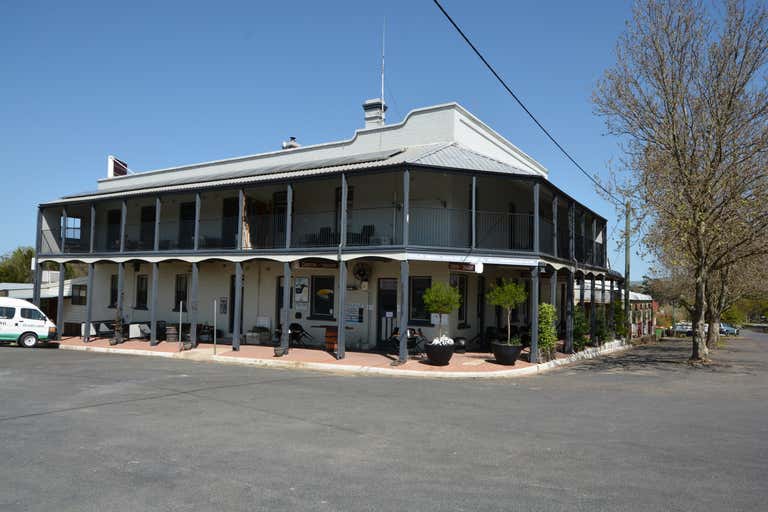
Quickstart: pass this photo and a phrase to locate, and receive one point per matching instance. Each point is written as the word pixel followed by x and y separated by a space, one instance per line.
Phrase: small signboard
pixel 462 267
pixel 438 319
pixel 223 305
pixel 318 264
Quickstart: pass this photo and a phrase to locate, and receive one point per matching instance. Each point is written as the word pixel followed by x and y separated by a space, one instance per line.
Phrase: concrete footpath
pixel 462 366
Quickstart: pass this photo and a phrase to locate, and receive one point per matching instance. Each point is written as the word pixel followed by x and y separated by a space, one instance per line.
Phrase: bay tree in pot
pixel 441 299
pixel 508 295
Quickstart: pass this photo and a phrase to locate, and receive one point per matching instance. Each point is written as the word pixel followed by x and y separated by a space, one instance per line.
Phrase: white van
pixel 24 323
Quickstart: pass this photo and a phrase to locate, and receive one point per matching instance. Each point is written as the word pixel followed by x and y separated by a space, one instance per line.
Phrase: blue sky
pixel 166 83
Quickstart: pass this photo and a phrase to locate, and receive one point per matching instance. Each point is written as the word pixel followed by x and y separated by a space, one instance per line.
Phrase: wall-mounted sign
pixel 318 264
pixel 462 267
pixel 223 305
pixel 301 289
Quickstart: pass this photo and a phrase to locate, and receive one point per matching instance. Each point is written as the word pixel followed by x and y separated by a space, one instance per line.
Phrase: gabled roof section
pixel 455 156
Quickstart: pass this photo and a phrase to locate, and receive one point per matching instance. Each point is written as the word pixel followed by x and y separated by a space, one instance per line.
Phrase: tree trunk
pixel 713 328
pixel 699 350
pixel 509 325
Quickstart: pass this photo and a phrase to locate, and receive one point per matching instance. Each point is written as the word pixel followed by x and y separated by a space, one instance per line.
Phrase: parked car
pixel 728 330
pixel 24 323
pixel 683 329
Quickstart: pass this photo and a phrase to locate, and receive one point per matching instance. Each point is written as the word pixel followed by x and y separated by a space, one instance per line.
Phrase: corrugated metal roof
pixel 458 157
pixel 448 155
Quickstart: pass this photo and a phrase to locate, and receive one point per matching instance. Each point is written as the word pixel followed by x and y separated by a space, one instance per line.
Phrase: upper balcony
pixel 438 209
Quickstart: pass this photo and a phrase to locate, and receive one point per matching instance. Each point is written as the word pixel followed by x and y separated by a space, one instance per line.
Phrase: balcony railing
pixel 374 226
pixel 381 226
pixel 546 232
pixel 315 229
pixel 266 231
pixel 440 227
pixel 505 231
pixel 563 243
pixel 218 234
pixel 140 236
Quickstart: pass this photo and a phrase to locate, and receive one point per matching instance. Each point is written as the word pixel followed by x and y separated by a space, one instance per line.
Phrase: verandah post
pixel 237 305
pixel 569 312
pixel 153 304
pixel 192 304
pixel 340 320
pixel 534 356
pixel 89 304
pixel 60 302
pixel 592 310
pixel 284 313
pixel 404 277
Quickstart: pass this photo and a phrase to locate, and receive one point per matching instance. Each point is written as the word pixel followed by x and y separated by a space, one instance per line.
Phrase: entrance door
pixel 232 305
pixel 387 308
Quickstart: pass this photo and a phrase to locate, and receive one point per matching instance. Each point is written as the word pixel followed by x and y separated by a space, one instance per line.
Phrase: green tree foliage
pixel 441 298
pixel 16 266
pixel 547 332
pixel 618 319
pixel 508 295
pixel 580 328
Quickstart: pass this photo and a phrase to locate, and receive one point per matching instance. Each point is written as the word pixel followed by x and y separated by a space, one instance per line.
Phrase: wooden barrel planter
pixel 331 339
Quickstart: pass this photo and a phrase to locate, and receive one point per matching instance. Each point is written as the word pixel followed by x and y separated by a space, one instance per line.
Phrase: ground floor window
pixel 417 311
pixel 79 294
pixel 180 293
pixel 459 281
pixel 141 291
pixel 322 296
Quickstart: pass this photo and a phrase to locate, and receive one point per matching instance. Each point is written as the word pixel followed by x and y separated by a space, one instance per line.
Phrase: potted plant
pixel 441 299
pixel 508 295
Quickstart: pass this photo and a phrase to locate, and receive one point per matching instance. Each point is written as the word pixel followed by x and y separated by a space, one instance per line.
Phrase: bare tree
pixel 687 96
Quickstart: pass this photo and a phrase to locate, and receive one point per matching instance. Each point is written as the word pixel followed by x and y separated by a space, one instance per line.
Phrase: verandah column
pixel 153 304
pixel 340 320
pixel 404 282
pixel 569 313
pixel 60 302
pixel 237 305
pixel 534 356
pixel 536 218
pixel 603 304
pixel 554 226
pixel 120 293
pixel 405 270
pixel 285 312
pixel 37 270
pixel 193 306
pixel 89 304
pixel 592 309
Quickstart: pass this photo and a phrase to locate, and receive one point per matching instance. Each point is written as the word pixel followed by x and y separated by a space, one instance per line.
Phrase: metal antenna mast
pixel 383 35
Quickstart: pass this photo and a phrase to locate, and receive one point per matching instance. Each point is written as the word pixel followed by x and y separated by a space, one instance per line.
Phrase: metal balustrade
pixel 546 232
pixel 440 227
pixel 315 229
pixel 505 231
pixel 374 226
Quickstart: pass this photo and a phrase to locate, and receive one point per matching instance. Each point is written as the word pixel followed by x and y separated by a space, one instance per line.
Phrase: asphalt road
pixel 637 431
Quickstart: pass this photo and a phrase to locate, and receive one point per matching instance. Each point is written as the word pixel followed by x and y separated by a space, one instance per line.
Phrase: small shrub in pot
pixel 508 295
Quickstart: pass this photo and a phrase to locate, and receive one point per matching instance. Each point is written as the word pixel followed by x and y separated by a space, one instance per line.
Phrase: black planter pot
pixel 439 354
pixel 506 354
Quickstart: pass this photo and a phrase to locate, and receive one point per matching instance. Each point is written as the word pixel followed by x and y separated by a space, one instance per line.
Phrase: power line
pixel 522 105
